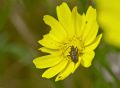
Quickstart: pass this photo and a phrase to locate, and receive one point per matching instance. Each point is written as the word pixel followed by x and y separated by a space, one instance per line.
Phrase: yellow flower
pixel 109 19
pixel 70 42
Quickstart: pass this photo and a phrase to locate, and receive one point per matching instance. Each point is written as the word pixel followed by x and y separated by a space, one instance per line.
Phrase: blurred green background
pixel 21 26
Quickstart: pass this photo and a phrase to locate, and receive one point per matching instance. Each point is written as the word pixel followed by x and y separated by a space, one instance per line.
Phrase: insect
pixel 74 54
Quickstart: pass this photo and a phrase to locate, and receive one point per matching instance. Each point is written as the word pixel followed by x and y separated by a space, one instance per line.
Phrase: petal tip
pixel 64 3
pixel 58 78
pixel 101 35
pixel 91 8
pixel 40 41
pixel 35 63
pixel 45 75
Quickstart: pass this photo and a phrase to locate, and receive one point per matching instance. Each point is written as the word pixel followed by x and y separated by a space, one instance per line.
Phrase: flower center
pixel 72 49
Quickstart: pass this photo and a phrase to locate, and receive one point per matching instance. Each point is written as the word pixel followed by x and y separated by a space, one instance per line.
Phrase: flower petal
pixel 92 34
pixel 47 50
pixel 93 45
pixel 65 17
pixel 90 26
pixel 87 59
pixel 57 31
pixel 51 72
pixel 47 61
pixel 77 18
pixel 49 42
pixel 77 64
pixel 67 71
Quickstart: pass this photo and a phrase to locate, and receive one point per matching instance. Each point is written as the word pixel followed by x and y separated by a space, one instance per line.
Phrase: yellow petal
pixel 47 50
pixel 92 34
pixel 65 17
pixel 90 26
pixel 49 42
pixel 77 65
pixel 67 71
pixel 91 14
pixel 87 58
pixel 94 44
pixel 110 24
pixel 109 19
pixel 51 72
pixel 47 61
pixel 113 37
pixel 111 6
pixel 77 18
pixel 82 26
pixel 57 31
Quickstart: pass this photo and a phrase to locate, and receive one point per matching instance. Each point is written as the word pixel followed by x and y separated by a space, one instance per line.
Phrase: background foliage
pixel 21 26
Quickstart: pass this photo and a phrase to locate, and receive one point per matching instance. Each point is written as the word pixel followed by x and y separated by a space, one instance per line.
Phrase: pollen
pixel 73 45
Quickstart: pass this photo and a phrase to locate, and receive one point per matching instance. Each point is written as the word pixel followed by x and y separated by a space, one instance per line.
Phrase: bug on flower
pixel 70 43
pixel 73 54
